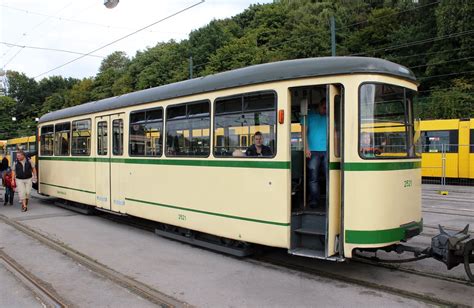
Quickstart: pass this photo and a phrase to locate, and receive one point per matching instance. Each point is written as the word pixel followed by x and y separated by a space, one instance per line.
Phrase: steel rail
pixel 139 288
pixel 360 282
pixel 46 294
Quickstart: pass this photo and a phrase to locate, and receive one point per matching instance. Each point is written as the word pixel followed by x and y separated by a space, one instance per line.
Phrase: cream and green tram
pixel 176 155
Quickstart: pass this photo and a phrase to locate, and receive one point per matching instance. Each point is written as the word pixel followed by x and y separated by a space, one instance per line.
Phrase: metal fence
pixel 448 164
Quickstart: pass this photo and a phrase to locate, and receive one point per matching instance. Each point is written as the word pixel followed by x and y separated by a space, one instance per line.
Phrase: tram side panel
pixel 68 179
pixel 245 204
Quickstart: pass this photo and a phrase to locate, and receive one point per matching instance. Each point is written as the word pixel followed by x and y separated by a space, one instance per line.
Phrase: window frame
pixel 69 140
pixel 90 126
pixel 40 150
pixel 407 129
pixel 165 136
pixel 98 148
pixel 455 146
pixel 242 95
pixel 162 131
pixel 122 135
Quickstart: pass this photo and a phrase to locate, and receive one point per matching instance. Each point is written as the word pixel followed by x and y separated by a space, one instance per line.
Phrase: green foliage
pixel 429 36
pixel 7 111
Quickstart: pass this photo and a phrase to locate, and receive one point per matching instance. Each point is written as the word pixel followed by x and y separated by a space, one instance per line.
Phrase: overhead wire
pixel 49 49
pixel 27 33
pixel 123 37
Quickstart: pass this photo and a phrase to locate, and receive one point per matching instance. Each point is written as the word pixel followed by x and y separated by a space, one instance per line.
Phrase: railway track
pixel 426 297
pixel 46 294
pixel 287 262
pixel 134 286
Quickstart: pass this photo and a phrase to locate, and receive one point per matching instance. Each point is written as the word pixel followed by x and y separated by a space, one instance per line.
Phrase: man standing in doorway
pixel 25 174
pixel 316 149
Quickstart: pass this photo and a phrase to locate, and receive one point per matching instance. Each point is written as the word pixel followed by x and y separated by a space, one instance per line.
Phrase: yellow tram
pixel 453 140
pixel 174 154
pixel 27 144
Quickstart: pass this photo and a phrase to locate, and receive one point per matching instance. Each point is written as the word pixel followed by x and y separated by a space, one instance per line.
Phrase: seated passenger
pixel 258 148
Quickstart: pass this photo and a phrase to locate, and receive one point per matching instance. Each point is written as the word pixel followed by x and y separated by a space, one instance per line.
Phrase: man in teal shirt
pixel 316 148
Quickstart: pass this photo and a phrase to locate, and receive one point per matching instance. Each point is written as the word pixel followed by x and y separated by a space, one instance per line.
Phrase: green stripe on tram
pixel 373 166
pixel 70 188
pixel 210 213
pixel 179 162
pixel 379 236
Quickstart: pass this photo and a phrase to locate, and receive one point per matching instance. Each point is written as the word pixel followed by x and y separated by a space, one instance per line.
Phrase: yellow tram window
pixel 440 141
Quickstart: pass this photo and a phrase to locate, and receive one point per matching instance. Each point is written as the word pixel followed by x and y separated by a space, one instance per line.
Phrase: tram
pixel 26 144
pixel 453 139
pixel 168 154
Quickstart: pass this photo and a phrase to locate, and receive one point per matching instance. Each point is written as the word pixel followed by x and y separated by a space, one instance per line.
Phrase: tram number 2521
pixel 181 217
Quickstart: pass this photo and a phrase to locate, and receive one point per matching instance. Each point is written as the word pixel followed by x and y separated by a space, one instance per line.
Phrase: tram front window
pixel 386 127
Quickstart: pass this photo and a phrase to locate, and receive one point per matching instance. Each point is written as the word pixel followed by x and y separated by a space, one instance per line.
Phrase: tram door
pixel 110 148
pixel 335 101
pixel 102 163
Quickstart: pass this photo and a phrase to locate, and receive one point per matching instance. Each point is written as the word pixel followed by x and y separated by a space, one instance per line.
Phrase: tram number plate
pixel 181 217
pixel 407 183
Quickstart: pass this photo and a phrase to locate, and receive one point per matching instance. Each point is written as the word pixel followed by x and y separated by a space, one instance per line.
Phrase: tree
pixel 7 111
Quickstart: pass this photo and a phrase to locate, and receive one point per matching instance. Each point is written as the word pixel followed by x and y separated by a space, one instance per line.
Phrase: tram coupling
pixel 453 249
pixel 450 248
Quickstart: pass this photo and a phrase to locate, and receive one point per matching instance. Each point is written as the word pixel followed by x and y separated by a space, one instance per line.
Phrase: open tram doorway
pixel 315 171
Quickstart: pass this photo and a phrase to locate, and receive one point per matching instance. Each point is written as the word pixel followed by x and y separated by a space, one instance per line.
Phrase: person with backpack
pixel 9 186
pixel 24 176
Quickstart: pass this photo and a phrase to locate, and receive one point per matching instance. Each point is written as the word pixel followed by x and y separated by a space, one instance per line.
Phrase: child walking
pixel 9 186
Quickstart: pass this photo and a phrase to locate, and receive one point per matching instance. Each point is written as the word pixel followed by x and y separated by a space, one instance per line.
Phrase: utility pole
pixel 190 67
pixel 333 37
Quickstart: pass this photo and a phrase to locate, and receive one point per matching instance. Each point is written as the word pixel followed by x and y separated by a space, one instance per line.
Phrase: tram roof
pixel 261 73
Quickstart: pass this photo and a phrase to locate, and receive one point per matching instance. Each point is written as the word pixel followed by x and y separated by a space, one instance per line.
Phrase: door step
pixel 307 231
pixel 309 253
pixel 109 211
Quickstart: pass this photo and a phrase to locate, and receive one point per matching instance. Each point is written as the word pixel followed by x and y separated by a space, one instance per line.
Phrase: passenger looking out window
pixel 258 148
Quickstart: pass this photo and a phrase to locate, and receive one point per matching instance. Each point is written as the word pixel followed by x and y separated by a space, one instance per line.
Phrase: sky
pixel 83 26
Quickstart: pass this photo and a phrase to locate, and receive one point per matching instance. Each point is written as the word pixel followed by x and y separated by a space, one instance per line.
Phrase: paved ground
pixel 196 276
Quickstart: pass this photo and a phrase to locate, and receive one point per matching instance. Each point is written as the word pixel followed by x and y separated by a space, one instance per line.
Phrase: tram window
pixel 146 130
pixel 23 146
pixel 31 146
pixel 81 138
pixel 62 138
pixel 238 118
pixel 439 141
pixel 385 122
pixel 117 137
pixel 102 136
pixel 188 129
pixel 471 142
pixel 47 140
